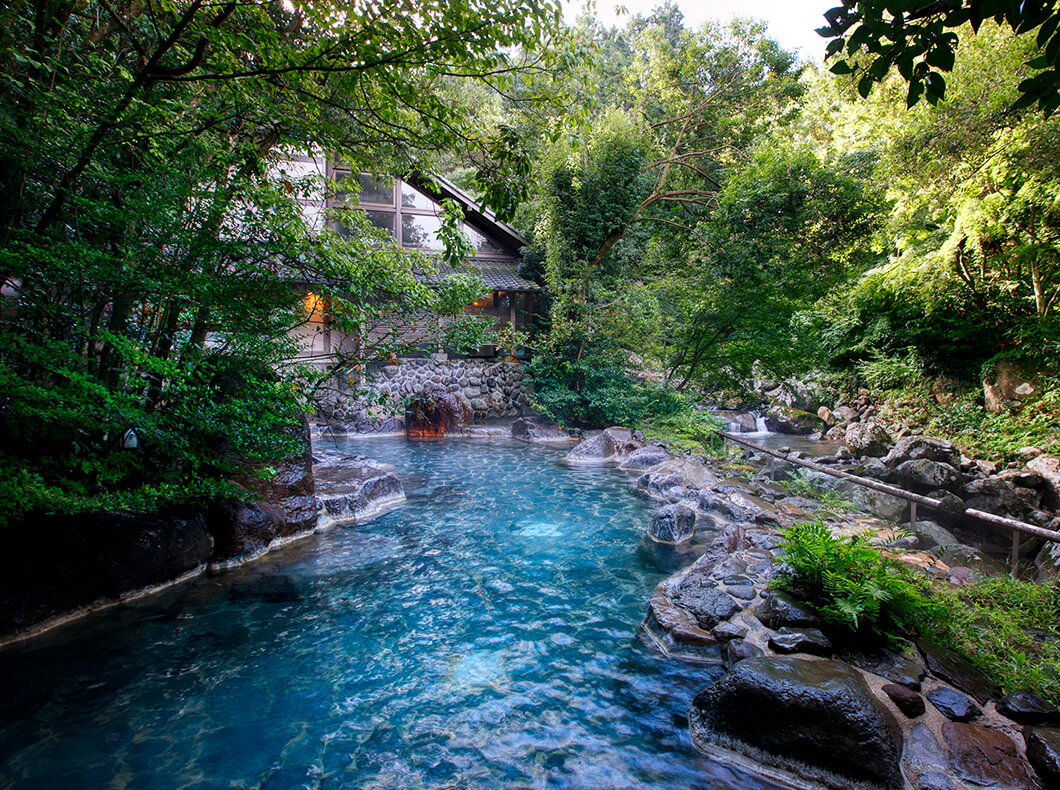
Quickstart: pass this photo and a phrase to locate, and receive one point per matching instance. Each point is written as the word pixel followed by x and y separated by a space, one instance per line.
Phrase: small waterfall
pixel 760 424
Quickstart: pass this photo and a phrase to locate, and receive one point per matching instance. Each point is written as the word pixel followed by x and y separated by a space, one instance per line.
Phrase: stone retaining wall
pixel 491 388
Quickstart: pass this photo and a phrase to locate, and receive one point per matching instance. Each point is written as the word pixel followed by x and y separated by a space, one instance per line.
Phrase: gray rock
pixel 800 640
pixel 932 535
pixel 528 429
pixel 1048 466
pixel 598 449
pixel 784 419
pixel 709 606
pixel 780 609
pixel 922 474
pixel 736 650
pixel 867 439
pixel 934 780
pixel 953 705
pixel 673 524
pixel 912 448
pixel 818 713
pixel 645 458
pixel 994 495
pixel 726 632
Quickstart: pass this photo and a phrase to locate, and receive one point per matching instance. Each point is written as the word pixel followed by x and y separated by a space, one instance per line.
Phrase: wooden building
pixel 409 210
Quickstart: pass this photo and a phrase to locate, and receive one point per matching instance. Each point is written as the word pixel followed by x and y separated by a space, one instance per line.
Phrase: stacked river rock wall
pixel 491 388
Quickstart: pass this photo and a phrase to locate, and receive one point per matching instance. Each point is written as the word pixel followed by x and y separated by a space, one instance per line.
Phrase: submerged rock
pixel 533 429
pixel 818 713
pixel 353 488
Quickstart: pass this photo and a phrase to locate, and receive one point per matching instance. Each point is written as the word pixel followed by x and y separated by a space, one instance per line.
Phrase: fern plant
pixel 850 583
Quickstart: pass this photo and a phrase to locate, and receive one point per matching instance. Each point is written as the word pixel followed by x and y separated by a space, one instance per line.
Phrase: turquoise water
pixel 483 636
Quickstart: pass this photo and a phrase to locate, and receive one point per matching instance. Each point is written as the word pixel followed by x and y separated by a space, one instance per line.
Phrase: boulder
pixel 800 640
pixel 826 416
pixel 535 429
pixel 1024 707
pixel 925 475
pixel 1009 385
pixel 1043 753
pixel 844 415
pixel 597 449
pixel 282 503
pixel 354 488
pixel 932 535
pixel 785 419
pixel 912 448
pixel 63 563
pixel 953 705
pixel 905 699
pixel 780 609
pixel 736 650
pixel 994 495
pixel 904 667
pixel 867 439
pixel 687 470
pixel 957 671
pixel 1048 466
pixel 985 757
pixel 707 604
pixel 645 458
pixel 673 524
pixel 818 713
pixel 878 503
pixel 436 412
pixel 623 440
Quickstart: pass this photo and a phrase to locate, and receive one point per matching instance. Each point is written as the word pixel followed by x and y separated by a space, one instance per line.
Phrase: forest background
pixel 702 207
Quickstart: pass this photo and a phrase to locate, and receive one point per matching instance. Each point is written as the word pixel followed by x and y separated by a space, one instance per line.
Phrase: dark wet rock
pixel 906 700
pixel 742 592
pixel 437 412
pixel 645 458
pixel 780 609
pixel 800 640
pixel 912 448
pixel 535 429
pixel 953 705
pixel 1024 707
pixel 673 524
pixel 922 752
pixel 819 713
pixel 957 671
pixel 925 475
pixel 708 605
pixel 1043 753
pixel 597 449
pixel 67 562
pixel 867 439
pixel 985 757
pixel 282 503
pixel 904 668
pixel 726 631
pixel 876 469
pixel 712 502
pixel 736 650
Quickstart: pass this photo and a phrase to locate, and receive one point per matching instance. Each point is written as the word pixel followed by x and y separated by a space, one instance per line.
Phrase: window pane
pixel 381 219
pixel 413 198
pixel 480 242
pixel 370 189
pixel 417 231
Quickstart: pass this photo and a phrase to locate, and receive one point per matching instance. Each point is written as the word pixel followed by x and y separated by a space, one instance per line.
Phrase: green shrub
pixel 1006 628
pixel 884 372
pixel 851 584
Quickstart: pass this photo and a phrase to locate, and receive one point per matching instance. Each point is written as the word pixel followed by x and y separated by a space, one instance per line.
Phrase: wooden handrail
pixel 917 499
